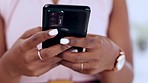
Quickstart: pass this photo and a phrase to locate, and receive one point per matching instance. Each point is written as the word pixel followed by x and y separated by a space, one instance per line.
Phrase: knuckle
pixel 86 42
pixel 35 74
pixel 96 42
pixel 90 41
pixel 27 57
pixel 35 37
pixel 45 54
pixel 39 37
pixel 21 48
pixel 45 34
pixel 73 41
pixel 27 61
pixel 63 55
pixel 75 67
pixel 99 40
pixel 94 67
pixel 27 33
pixel 63 47
pixel 77 58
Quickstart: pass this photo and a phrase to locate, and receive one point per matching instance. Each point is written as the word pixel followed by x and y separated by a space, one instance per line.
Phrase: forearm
pixel 123 76
pixel 5 77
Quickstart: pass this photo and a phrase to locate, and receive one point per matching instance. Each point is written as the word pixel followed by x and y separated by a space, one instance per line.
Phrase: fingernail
pixel 64 41
pixel 53 32
pixel 74 50
pixel 84 49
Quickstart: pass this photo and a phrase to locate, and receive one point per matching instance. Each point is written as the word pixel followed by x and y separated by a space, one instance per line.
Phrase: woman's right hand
pixel 23 59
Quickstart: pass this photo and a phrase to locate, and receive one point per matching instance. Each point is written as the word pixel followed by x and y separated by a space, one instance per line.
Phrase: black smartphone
pixel 69 20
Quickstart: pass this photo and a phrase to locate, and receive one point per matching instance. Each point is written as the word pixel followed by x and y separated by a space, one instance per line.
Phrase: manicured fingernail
pixel 84 49
pixel 64 41
pixel 74 50
pixel 53 32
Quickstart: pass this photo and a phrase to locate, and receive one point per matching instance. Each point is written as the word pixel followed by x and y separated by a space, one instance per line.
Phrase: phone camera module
pixel 56 19
pixel 53 19
pixel 53 14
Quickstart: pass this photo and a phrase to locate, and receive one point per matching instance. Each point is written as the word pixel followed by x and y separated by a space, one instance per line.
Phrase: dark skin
pixel 55 1
pixel 25 61
pixel 99 58
pixel 94 54
pixel 101 52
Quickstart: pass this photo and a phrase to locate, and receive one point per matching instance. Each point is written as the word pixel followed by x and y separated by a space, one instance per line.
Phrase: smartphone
pixel 69 20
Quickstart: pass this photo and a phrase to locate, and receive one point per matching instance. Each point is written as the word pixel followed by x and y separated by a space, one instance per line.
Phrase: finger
pixel 42 63
pixel 47 65
pixel 33 68
pixel 30 32
pixel 46 53
pixel 39 37
pixel 77 66
pixel 49 61
pixel 78 57
pixel 53 51
pixel 42 71
pixel 86 42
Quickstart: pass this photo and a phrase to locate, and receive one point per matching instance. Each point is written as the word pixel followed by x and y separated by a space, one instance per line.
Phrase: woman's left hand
pixel 100 54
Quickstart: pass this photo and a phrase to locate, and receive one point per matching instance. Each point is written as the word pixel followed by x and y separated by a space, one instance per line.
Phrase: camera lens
pixel 56 18
pixel 61 13
pixel 53 14
pixel 53 19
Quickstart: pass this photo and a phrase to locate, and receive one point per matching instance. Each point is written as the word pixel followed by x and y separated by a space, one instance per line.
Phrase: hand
pixel 23 59
pixel 99 56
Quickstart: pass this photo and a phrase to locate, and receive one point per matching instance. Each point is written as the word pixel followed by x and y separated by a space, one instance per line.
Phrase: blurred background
pixel 138 16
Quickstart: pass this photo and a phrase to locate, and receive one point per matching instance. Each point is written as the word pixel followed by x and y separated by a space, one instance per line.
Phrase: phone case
pixel 70 20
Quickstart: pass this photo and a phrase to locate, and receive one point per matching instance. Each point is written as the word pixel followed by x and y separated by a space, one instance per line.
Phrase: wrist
pixel 126 74
pixel 118 62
